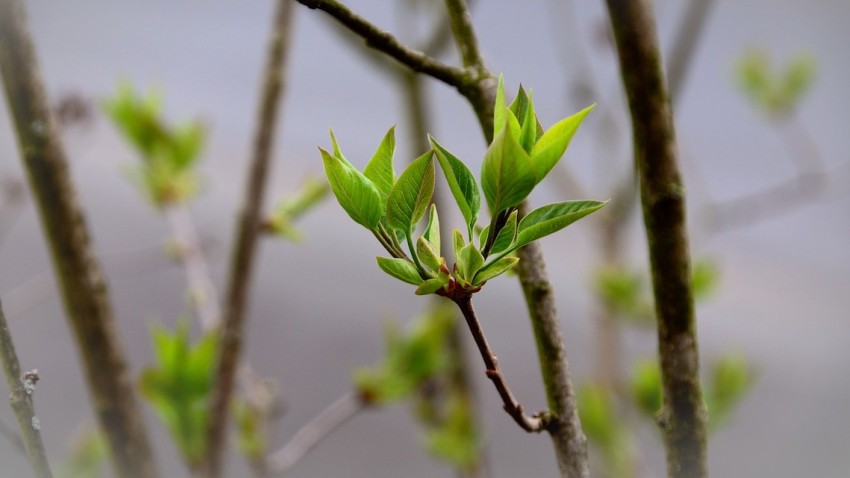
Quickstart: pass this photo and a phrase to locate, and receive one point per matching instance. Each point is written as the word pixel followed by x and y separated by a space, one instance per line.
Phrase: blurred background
pixel 768 209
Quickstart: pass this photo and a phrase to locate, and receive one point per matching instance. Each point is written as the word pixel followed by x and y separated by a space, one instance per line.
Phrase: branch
pixel 683 416
pixel 536 423
pixel 461 22
pixel 21 388
pixel 383 41
pixel 305 439
pixel 247 233
pixel 687 36
pixel 83 289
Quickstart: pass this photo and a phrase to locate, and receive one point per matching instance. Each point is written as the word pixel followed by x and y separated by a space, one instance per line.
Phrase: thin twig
pixel 202 293
pixel 683 416
pixel 536 423
pixel 79 275
pixel 687 38
pixel 305 439
pixel 14 438
pixel 21 388
pixel 247 233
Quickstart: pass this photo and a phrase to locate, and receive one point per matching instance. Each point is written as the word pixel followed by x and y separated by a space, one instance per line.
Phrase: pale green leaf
pixel 461 182
pixel 507 176
pixel 528 133
pixel 469 261
pixel 411 194
pixel 430 286
pixel 354 191
pixel 457 244
pixel 432 231
pixel 401 269
pixel 500 110
pixel 380 168
pixel 552 145
pixel 552 218
pixel 494 269
pixel 427 254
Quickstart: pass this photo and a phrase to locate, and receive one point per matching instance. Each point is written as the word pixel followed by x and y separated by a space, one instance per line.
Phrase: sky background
pixel 317 306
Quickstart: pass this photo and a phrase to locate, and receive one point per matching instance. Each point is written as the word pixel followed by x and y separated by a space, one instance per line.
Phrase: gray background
pixel 317 307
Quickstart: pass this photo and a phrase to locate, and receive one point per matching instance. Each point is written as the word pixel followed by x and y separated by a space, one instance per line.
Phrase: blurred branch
pixel 247 233
pixel 688 35
pixel 14 438
pixel 683 417
pixel 308 436
pixel 83 289
pixel 14 197
pixel 21 388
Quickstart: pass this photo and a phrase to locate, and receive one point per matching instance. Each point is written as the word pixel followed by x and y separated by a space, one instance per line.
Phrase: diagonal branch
pixel 80 278
pixel 20 398
pixel 683 416
pixel 247 233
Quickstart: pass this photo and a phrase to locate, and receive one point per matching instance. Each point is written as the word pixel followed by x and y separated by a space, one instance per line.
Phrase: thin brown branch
pixel 383 41
pixel 461 22
pixel 247 233
pixel 21 387
pixel 687 38
pixel 14 438
pixel 683 416
pixel 536 423
pixel 305 439
pixel 83 289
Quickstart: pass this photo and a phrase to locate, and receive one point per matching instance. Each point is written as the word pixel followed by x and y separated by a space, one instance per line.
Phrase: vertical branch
pixel 683 417
pixel 83 289
pixel 247 232
pixel 20 398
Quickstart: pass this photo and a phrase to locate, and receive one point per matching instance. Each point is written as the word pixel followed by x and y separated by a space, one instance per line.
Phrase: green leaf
pixel 401 269
pixel 494 269
pixel 337 150
pixel 430 286
pixel 427 254
pixel 507 176
pixel 482 237
pixel 354 191
pixel 552 218
pixel 411 194
pixel 469 261
pixel 528 133
pixel 380 168
pixel 551 146
pixel 461 182
pixel 646 387
pixel 506 236
pixel 500 111
pixel 457 244
pixel 432 231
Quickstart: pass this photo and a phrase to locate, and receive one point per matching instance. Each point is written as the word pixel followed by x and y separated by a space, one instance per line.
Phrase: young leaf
pixel 427 254
pixel 494 269
pixel 411 194
pixel 432 231
pixel 380 168
pixel 354 191
pixel 461 182
pixel 551 146
pixel 457 244
pixel 337 150
pixel 482 237
pixel 430 286
pixel 552 218
pixel 507 176
pixel 401 269
pixel 528 133
pixel 469 261
pixel 506 236
pixel 500 111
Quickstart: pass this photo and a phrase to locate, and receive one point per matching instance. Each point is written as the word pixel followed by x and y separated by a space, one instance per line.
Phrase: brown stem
pixel 683 416
pixel 83 289
pixel 536 423
pixel 247 233
pixel 305 439
pixel 21 388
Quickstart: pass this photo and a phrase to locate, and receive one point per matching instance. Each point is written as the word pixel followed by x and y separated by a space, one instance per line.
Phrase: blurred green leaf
pixel 456 440
pixel 87 456
pixel 646 387
pixel 704 278
pixel 598 416
pixel 288 210
pixel 731 379
pixel 775 93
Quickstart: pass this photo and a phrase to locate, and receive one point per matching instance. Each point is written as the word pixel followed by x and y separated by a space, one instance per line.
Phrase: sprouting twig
pixel 305 439
pixel 21 388
pixel 683 417
pixel 536 423
pixel 202 293
pixel 79 275
pixel 247 232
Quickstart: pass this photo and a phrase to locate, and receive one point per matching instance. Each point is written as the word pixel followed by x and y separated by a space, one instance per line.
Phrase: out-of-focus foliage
pixel 87 456
pixel 179 386
pixel 169 154
pixel 281 222
pixel 605 429
pixel 777 92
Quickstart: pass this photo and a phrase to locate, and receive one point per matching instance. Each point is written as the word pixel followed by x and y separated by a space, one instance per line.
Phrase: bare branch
pixel 461 22
pixel 683 416
pixel 305 439
pixel 383 41
pixel 247 233
pixel 687 37
pixel 21 388
pixel 80 278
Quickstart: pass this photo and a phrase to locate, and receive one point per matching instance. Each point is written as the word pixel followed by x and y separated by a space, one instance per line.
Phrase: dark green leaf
pixel 380 168
pixel 401 269
pixel 354 191
pixel 552 218
pixel 506 235
pixel 411 194
pixel 507 176
pixel 461 182
pixel 552 145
